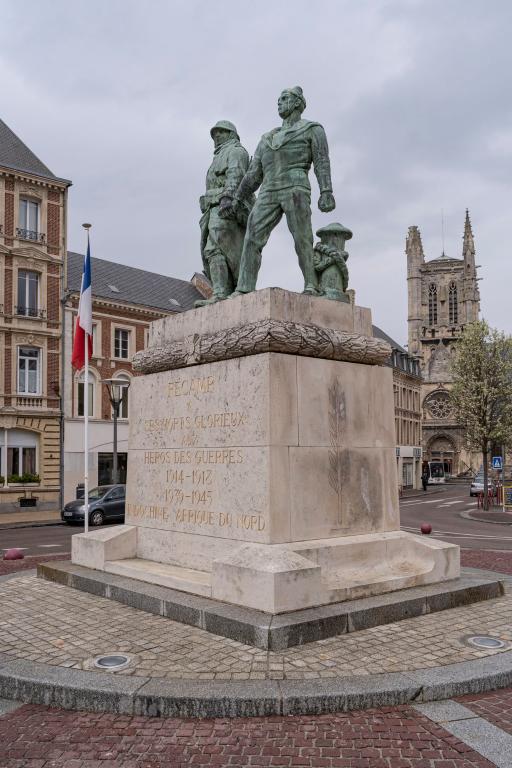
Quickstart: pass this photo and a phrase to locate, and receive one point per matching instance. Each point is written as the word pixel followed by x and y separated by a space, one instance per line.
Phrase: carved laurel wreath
pixel 264 336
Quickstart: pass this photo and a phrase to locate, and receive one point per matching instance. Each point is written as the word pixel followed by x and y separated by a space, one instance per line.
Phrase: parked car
pixel 477 486
pixel 106 503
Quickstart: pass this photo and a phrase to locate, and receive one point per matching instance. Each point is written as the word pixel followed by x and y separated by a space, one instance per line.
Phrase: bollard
pixel 13 554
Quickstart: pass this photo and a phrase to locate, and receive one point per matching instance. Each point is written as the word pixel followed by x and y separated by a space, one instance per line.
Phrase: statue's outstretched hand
pixel 327 202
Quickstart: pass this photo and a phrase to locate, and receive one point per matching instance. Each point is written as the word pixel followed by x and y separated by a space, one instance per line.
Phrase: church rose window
pixel 438 405
pixel 432 304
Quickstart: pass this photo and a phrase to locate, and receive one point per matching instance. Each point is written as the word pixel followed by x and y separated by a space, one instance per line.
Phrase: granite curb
pixel 263 630
pixel 28 524
pixel 36 683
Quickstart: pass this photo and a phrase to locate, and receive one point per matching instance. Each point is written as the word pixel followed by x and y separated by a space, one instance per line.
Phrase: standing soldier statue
pixel 281 165
pixel 222 238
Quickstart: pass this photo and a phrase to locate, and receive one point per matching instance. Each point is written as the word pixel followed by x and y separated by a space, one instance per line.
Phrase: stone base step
pixel 271 632
pixel 171 576
pixel 352 584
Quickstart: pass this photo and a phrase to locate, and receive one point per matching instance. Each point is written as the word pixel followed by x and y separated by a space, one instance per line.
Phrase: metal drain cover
pixel 113 662
pixel 484 641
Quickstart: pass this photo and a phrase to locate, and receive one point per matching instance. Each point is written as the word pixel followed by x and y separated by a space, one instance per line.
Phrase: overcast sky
pixel 414 95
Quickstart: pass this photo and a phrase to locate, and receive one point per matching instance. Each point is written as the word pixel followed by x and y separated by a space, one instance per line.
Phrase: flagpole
pixel 86 418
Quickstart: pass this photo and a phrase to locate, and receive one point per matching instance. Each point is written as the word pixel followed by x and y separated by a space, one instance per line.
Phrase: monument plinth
pixel 261 465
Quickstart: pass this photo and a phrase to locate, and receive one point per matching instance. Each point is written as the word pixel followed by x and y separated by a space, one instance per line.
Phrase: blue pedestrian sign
pixel 497 462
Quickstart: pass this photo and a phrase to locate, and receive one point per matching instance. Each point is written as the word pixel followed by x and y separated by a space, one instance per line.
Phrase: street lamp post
pixel 115 389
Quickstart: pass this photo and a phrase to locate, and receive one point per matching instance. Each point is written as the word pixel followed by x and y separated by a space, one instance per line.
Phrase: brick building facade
pixel 125 301
pixel 407 399
pixel 33 206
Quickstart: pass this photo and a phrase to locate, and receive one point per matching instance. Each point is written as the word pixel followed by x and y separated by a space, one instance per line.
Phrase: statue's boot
pixel 310 278
pixel 221 280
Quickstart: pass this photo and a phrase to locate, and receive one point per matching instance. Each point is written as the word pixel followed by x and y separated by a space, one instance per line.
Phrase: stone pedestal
pixel 261 461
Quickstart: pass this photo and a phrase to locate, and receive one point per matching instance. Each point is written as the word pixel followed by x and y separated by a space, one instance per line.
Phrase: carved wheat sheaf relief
pixel 337 416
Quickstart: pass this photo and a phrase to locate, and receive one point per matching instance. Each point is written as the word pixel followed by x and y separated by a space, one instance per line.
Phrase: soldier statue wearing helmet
pixel 280 168
pixel 222 238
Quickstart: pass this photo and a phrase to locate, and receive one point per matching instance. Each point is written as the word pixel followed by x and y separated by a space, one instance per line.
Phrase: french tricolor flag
pixel 83 327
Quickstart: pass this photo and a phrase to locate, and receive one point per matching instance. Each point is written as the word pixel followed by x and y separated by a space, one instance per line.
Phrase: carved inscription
pixel 192 481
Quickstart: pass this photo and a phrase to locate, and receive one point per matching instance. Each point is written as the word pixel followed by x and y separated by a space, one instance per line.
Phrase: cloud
pixel 119 96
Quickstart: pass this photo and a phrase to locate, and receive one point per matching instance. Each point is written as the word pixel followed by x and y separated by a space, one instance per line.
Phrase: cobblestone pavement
pixel 54 624
pixel 495 706
pixel 39 737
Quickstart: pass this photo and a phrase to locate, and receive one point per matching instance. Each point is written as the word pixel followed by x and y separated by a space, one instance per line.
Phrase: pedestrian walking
pixel 424 480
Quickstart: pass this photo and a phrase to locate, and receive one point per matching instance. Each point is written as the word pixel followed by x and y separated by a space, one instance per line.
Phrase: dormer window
pixel 28 220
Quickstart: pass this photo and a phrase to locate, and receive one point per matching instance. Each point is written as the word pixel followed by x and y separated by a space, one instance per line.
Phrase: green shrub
pixel 28 477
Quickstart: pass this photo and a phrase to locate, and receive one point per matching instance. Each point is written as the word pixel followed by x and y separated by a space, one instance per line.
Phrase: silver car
pixel 477 486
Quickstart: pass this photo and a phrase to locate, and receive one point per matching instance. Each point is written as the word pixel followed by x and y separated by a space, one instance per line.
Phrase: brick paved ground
pixel 495 706
pixel 487 559
pixel 39 737
pixel 57 625
pixel 13 566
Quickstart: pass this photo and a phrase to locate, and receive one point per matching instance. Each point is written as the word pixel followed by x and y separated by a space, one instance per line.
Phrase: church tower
pixel 443 296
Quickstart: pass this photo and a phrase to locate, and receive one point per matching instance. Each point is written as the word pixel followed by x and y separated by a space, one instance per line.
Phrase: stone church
pixel 443 296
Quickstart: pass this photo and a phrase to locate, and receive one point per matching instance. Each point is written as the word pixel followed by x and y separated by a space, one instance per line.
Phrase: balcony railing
pixel 29 401
pixel 33 312
pixel 30 234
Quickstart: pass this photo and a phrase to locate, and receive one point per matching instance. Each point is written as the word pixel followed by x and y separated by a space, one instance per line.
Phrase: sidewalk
pixel 28 517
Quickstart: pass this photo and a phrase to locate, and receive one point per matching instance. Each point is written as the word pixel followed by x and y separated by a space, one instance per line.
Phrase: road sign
pixel 507 496
pixel 497 462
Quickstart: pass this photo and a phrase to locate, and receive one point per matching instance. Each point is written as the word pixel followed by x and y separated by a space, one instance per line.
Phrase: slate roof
pixel 403 360
pixel 380 334
pixel 444 257
pixel 134 286
pixel 16 155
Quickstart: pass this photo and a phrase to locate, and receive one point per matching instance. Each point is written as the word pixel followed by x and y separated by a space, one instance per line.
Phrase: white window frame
pixel 17 439
pixel 25 302
pixel 25 392
pixel 24 224
pixel 92 390
pixel 128 332
pixel 123 377
pixel 96 339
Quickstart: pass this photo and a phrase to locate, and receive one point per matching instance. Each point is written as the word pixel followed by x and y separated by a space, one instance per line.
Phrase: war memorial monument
pixel 262 489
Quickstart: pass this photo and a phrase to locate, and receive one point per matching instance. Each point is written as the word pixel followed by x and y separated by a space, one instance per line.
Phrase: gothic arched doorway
pixel 442 448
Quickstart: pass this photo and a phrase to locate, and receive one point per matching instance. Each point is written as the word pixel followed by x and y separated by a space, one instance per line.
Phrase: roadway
pixel 441 507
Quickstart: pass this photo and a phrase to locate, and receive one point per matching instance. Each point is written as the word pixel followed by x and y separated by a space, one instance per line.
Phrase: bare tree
pixel 482 389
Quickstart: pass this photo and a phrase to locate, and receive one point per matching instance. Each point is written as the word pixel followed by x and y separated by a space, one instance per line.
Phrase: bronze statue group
pixel 235 225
